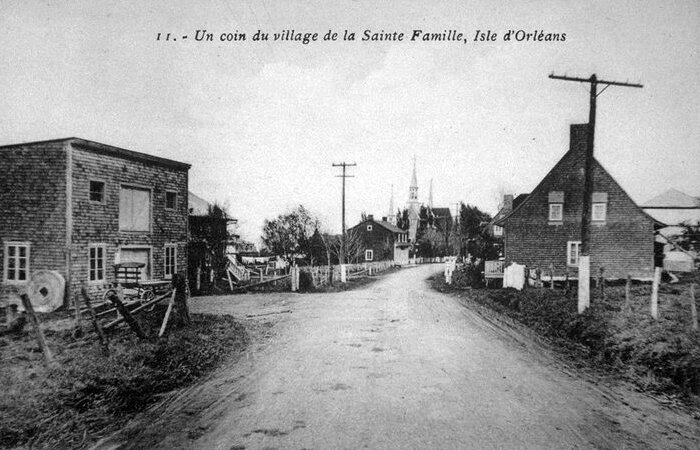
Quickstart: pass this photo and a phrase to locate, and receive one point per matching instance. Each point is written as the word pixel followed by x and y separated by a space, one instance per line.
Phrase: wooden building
pixel 381 241
pixel 79 207
pixel 545 229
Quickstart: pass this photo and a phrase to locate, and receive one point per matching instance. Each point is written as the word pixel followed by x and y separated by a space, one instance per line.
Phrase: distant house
pixel 546 227
pixel 380 241
pixel 681 212
pixel 442 219
pixel 509 203
pixel 79 207
pixel 212 231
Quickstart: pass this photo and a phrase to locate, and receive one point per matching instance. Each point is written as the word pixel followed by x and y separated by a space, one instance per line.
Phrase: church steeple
pixel 391 217
pixel 430 195
pixel 413 188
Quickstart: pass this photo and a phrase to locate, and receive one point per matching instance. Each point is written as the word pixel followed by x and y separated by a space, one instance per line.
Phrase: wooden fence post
pixel 183 311
pixel 655 293
pixel 551 276
pixel 78 329
pixel 693 308
pixel 95 323
pixel 29 308
pixel 167 314
pixel 128 318
pixel 628 293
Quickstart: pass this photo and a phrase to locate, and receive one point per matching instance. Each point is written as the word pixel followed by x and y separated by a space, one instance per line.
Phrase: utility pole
pixel 584 300
pixel 341 257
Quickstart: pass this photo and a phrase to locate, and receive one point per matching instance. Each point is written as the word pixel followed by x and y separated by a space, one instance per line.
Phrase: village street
pixel 397 365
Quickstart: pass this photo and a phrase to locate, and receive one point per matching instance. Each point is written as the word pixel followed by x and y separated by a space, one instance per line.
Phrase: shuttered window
pixel 134 209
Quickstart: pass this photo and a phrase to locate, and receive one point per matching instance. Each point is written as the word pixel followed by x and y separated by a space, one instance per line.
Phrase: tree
pixel 475 237
pixel 289 234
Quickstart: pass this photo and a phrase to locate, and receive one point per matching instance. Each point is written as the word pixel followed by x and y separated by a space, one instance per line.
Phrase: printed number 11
pixel 167 37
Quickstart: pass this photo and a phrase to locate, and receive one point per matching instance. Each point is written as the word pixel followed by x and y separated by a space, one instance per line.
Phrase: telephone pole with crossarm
pixel 584 271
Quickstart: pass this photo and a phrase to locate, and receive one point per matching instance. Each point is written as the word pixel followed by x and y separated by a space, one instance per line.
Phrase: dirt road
pixel 397 365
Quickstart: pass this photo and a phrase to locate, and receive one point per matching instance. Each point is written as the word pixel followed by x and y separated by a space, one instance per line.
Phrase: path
pixel 397 365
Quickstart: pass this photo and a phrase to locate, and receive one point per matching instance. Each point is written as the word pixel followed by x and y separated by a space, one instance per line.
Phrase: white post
pixel 655 293
pixel 343 273
pixel 584 283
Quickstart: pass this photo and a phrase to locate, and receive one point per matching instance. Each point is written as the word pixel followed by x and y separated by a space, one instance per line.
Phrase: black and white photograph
pixel 349 224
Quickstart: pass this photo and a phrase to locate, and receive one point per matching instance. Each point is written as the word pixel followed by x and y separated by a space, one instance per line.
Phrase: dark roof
pixel 109 150
pixel 501 221
pixel 382 223
pixel 519 199
pixel 441 212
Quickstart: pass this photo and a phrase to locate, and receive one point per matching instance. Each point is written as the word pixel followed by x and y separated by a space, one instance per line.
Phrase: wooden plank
pixel 135 310
pixel 41 339
pixel 167 314
pixel 95 323
pixel 127 316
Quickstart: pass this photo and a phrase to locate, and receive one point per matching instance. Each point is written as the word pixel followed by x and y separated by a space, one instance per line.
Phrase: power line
pixel 344 165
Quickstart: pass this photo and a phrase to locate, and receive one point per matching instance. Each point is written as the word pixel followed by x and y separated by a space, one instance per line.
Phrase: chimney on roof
pixel 508 202
pixel 370 217
pixel 578 139
pixel 384 219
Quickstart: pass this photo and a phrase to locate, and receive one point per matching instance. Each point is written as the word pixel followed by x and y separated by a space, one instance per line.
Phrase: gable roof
pixel 382 223
pixel 196 205
pixel 570 153
pixel 673 198
pixel 441 212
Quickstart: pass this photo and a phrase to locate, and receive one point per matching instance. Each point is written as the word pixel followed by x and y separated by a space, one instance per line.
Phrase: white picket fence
pixel 319 274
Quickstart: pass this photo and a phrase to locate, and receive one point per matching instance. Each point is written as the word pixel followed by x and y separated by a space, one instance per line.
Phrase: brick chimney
pixel 508 202
pixel 578 139
pixel 384 219
pixel 370 217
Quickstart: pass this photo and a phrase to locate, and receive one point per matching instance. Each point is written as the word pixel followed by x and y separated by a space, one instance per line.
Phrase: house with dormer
pixel 545 228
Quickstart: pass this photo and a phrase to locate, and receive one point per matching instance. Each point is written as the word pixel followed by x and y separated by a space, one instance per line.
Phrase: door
pixel 140 255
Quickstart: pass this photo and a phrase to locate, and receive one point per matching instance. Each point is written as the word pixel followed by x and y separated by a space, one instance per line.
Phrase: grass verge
pixel 661 356
pixel 88 395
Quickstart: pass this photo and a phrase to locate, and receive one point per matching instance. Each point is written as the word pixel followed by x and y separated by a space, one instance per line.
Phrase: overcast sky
pixel 262 122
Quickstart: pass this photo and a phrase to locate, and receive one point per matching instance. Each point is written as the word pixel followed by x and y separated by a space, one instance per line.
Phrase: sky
pixel 262 122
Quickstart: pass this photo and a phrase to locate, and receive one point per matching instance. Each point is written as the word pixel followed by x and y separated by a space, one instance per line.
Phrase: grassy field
pixel 88 395
pixel 659 355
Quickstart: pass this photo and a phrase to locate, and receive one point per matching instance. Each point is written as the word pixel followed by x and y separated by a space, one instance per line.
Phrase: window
pixel 369 255
pixel 16 262
pixel 170 260
pixel 572 250
pixel 369 227
pixel 556 206
pixel 599 209
pixel 556 212
pixel 134 209
pixel 170 200
pixel 498 231
pixel 96 257
pixel 97 191
pixel 599 212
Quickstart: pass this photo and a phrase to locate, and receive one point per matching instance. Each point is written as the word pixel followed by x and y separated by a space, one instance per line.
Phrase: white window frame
pixel 6 261
pixel 572 246
pixel 99 278
pixel 599 217
pixel 166 200
pixel 135 187
pixel 554 217
pixel 497 230
pixel 104 191
pixel 369 255
pixel 369 227
pixel 173 247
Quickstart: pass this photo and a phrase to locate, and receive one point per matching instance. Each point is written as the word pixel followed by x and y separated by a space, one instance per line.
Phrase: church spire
pixel 391 217
pixel 413 188
pixel 430 195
